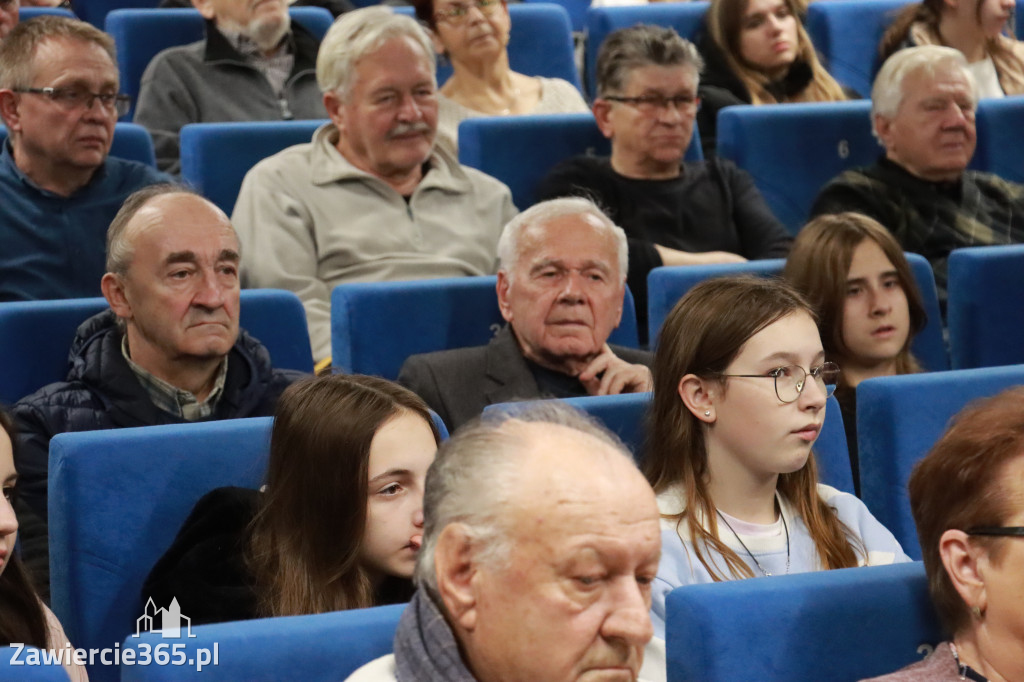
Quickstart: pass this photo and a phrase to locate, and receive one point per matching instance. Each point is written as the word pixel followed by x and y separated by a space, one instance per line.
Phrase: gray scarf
pixel 425 647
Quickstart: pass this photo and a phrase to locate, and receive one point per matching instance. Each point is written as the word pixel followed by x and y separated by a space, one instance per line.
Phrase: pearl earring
pixel 707 413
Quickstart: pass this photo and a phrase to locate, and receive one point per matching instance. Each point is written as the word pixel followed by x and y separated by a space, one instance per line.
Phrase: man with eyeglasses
pixel 675 212
pixel 59 100
pixel 922 107
pixel 253 65
pixel 371 198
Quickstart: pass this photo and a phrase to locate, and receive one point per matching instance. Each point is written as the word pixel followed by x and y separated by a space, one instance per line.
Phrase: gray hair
pixel 18 49
pixel 638 46
pixel 358 33
pixel 538 215
pixel 120 246
pixel 887 91
pixel 474 478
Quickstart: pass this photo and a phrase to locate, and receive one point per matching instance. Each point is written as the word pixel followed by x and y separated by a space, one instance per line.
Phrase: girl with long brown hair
pixel 856 277
pixel 23 617
pixel 340 520
pixel 757 52
pixel 740 385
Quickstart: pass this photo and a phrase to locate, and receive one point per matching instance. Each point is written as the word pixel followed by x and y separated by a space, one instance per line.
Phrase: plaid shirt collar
pixel 172 399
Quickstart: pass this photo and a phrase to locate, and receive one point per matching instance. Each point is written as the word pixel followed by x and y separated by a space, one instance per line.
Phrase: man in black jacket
pixel 168 351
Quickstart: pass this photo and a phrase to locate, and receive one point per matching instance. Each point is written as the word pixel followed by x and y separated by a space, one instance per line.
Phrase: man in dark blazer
pixel 561 283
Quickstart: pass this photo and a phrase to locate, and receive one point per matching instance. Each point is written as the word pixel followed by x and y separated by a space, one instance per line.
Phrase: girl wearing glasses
pixel 855 276
pixel 967 497
pixel 473 35
pixel 23 617
pixel 740 384
pixel 757 52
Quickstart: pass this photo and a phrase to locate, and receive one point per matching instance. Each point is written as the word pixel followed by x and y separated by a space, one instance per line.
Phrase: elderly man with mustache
pixel 168 351
pixel 370 198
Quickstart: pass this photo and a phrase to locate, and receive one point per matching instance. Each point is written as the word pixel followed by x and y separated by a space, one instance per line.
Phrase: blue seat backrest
pixel 792 150
pixel 899 418
pixel 26 13
pixel 142 33
pixel 929 346
pixel 21 671
pixel 96 11
pixel 847 34
pixel 685 17
pixel 986 297
pixel 216 156
pixel 520 150
pixel 841 626
pixel 1000 147
pixel 375 326
pixel 626 416
pixel 577 10
pixel 321 648
pixel 131 142
pixel 669 283
pixel 117 499
pixel 35 336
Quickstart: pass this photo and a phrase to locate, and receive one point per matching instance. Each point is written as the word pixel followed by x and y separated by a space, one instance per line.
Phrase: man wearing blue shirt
pixel 59 100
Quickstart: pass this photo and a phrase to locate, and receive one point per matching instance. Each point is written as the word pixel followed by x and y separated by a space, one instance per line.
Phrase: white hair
pixel 538 215
pixel 887 91
pixel 474 480
pixel 356 34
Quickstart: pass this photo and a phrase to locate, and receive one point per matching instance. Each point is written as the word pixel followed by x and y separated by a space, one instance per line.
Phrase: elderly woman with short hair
pixel 967 497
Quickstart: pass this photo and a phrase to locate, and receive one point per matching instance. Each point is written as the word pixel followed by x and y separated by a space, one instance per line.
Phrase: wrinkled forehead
pixel 558 239
pixel 174 218
pixel 940 80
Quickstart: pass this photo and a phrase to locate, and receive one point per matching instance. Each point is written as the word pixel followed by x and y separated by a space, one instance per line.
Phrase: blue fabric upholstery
pixel 35 336
pixel 117 499
pixel 375 326
pixel 898 420
pixel 669 283
pixel 520 150
pixel 96 11
pixel 625 415
pixel 141 33
pixel 131 142
pixel 26 13
pixel 986 296
pixel 812 142
pixel 577 10
pixel 685 18
pixel 839 626
pixel 216 156
pixel 28 673
pixel 929 346
pixel 999 144
pixel 322 648
pixel 846 35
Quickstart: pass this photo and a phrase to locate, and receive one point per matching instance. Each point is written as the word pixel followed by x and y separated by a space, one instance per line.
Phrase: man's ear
pixel 962 563
pixel 333 105
pixel 883 127
pixel 698 395
pixel 205 8
pixel 9 110
pixel 456 569
pixel 602 109
pixel 113 290
pixel 503 304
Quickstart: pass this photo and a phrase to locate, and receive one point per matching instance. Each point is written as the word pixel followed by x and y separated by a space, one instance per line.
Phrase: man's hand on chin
pixel 607 374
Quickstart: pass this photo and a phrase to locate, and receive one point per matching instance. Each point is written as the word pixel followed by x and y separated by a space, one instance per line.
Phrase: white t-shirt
pixel 987 78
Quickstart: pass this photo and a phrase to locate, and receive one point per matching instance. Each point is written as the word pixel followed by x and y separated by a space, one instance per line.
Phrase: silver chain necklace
pixel 751 554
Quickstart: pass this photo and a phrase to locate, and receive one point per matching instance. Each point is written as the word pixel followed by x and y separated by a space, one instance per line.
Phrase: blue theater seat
pixel 375 326
pixel 322 648
pixel 520 150
pixel 53 672
pixel 35 336
pixel 793 150
pixel 839 626
pixel 141 33
pixel 96 11
pixel 26 13
pixel 577 10
pixel 847 34
pixel 899 419
pixel 1000 145
pixel 685 17
pixel 131 142
pixel 986 300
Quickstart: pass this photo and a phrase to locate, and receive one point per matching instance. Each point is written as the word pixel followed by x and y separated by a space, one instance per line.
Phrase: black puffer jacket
pixel 101 392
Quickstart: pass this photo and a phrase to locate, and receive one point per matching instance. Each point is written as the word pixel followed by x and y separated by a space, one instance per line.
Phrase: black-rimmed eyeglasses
pixel 998 531
pixel 80 98
pixel 791 379
pixel 654 104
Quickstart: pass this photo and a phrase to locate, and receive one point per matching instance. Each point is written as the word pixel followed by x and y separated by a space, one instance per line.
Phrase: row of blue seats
pixel 375 326
pixel 105 536
pixel 840 626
